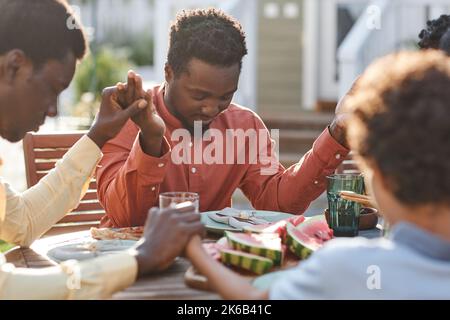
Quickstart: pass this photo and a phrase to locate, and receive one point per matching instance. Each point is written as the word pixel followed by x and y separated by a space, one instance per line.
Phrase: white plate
pixel 220 228
pixel 88 249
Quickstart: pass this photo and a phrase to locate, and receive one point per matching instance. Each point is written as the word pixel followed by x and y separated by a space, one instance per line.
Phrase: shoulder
pixel 240 116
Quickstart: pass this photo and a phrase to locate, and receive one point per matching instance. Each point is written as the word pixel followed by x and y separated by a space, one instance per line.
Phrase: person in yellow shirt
pixel 39 50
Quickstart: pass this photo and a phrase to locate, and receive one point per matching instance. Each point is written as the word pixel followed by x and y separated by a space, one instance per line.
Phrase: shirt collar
pixel 421 241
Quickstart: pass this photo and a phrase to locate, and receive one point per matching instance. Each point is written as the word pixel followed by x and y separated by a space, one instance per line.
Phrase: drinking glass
pixel 171 199
pixel 344 214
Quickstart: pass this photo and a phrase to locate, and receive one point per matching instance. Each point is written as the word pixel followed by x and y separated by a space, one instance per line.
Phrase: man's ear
pixel 14 61
pixel 168 72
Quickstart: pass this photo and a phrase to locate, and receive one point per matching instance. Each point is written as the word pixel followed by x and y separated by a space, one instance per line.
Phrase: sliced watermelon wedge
pixel 247 261
pixel 308 236
pixel 265 244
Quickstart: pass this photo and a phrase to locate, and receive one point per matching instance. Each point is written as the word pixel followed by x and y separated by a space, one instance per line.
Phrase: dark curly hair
pixel 401 122
pixel 436 35
pixel 209 35
pixel 40 29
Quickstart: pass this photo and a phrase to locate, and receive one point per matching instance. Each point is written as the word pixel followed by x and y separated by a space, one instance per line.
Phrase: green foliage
pixel 110 67
pixel 141 50
pixel 5 246
pixel 137 46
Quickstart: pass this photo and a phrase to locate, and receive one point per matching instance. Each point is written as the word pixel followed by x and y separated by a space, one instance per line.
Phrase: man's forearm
pixel 151 145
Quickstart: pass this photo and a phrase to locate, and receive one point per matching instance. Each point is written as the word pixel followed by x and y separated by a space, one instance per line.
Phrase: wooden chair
pixel 42 151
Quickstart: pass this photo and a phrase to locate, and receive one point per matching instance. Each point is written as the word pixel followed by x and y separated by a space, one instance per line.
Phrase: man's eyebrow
pixel 199 91
pixel 231 92
pixel 196 90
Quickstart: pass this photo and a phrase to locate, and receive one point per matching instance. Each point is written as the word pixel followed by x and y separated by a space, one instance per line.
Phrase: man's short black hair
pixel 209 35
pixel 42 29
pixel 436 35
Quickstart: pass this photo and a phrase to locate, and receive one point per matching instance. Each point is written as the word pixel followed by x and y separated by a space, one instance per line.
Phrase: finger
pixel 132 110
pixel 138 91
pixel 131 87
pixel 151 215
pixel 188 217
pixel 121 91
pixel 149 98
pixel 108 92
pixel 192 229
pixel 184 209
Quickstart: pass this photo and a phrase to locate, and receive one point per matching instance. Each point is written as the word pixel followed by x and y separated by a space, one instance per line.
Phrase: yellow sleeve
pixel 26 216
pixel 98 278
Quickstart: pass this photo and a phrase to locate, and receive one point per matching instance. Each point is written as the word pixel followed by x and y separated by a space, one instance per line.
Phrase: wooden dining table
pixel 166 285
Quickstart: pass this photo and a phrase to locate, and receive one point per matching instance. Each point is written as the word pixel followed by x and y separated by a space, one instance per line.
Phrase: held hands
pixel 166 234
pixel 151 124
pixel 112 117
pixel 148 120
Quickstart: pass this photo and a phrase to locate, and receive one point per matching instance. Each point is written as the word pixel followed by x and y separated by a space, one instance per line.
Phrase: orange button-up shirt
pixel 130 181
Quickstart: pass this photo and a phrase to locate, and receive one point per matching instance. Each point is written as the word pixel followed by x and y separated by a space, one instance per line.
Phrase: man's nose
pixel 210 110
pixel 52 111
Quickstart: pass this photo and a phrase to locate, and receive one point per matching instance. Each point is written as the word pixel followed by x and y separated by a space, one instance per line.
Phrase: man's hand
pixel 338 128
pixel 165 237
pixel 151 124
pixel 112 117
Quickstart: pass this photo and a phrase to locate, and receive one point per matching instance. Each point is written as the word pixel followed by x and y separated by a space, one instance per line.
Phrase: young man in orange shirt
pixel 166 150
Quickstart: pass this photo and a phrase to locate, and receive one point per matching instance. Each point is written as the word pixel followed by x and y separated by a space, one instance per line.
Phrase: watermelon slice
pixel 247 261
pixel 265 245
pixel 308 236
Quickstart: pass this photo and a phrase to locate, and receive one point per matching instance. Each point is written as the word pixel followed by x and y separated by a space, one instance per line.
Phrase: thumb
pixel 135 108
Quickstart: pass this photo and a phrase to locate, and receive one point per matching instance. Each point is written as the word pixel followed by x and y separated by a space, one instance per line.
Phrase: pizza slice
pixel 129 233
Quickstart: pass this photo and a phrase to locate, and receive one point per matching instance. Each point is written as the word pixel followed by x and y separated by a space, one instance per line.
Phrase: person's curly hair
pixel 400 124
pixel 436 35
pixel 209 35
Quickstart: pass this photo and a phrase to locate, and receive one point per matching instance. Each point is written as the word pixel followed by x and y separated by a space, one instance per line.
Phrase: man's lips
pixel 206 120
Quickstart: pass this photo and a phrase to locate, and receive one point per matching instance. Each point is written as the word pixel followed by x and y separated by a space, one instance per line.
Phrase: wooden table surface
pixel 166 285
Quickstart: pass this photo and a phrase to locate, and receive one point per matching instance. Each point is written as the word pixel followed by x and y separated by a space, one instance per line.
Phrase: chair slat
pixel 50 154
pixel 46 141
pixel 90 195
pixel 89 206
pixel 82 217
pixel 45 166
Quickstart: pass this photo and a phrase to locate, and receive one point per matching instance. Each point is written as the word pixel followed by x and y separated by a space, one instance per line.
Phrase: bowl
pixel 368 218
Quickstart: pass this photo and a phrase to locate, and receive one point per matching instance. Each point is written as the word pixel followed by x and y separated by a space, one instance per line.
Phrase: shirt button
pixel 161 165
pixel 338 156
pixel 194 170
pixel 153 188
pixel 316 182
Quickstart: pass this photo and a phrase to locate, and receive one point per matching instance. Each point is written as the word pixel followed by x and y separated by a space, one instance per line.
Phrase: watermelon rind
pixel 299 242
pixel 273 252
pixel 246 261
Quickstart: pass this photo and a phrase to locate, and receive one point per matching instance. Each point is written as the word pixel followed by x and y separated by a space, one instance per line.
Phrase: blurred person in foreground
pixel 399 130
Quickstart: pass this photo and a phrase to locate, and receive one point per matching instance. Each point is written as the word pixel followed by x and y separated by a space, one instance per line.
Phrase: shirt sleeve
pixel 94 279
pixel 30 214
pixel 270 186
pixel 128 179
